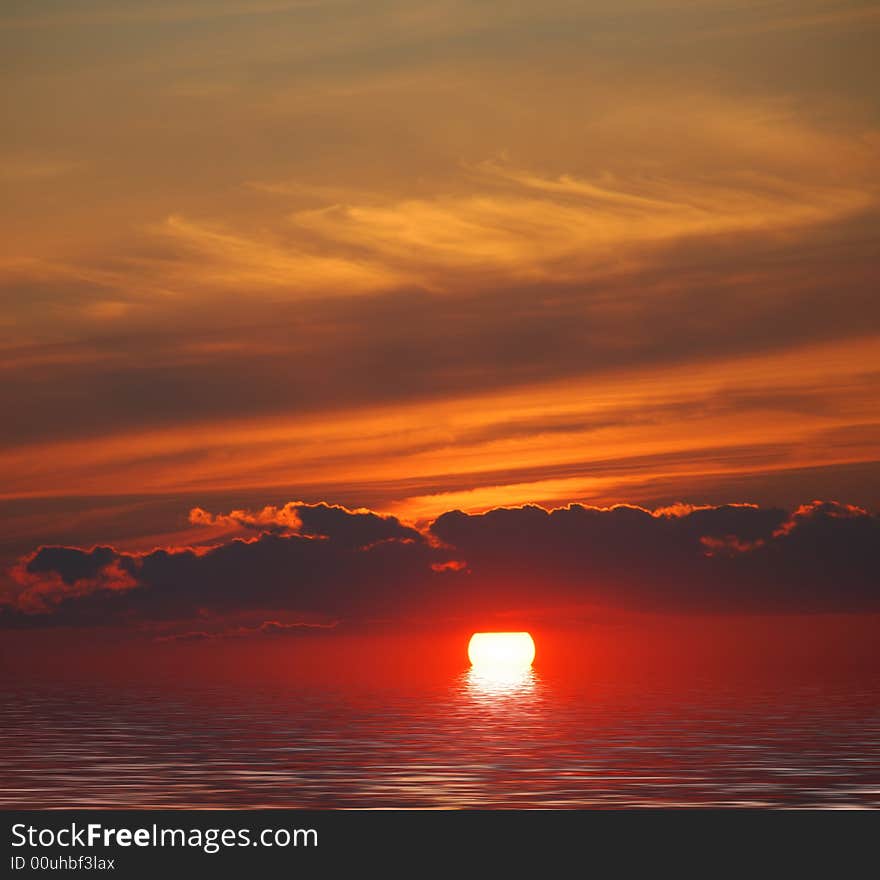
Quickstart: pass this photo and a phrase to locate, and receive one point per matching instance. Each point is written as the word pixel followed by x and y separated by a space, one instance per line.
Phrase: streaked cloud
pixel 765 402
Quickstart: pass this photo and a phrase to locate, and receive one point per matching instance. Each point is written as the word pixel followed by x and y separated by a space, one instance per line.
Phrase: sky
pixel 417 258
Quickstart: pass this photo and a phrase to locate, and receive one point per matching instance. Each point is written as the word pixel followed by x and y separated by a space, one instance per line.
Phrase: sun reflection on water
pixel 500 682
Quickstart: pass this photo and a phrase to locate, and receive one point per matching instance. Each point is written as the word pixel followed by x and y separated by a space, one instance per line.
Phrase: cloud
pixel 301 339
pixel 56 574
pixel 536 227
pixel 266 628
pixel 361 566
pixel 349 528
pixel 500 223
pixel 270 518
pixel 589 436
pixel 212 257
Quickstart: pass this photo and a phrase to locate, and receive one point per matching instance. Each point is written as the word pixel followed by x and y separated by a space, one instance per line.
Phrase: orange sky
pixel 434 255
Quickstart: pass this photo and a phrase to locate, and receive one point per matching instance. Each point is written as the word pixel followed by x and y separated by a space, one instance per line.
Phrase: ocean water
pixel 525 741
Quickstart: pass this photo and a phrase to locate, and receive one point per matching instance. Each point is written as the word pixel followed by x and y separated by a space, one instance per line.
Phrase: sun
pixel 501 650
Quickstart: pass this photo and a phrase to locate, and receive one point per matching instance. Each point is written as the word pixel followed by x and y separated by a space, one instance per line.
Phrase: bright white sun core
pixel 501 651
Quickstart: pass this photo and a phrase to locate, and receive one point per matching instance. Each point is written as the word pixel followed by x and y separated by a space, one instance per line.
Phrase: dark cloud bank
pixel 319 563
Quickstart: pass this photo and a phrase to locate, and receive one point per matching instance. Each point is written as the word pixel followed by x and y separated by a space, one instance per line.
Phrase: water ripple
pixel 472 743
